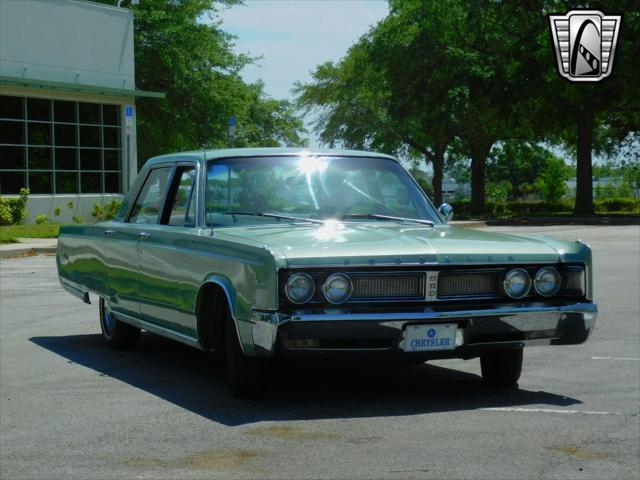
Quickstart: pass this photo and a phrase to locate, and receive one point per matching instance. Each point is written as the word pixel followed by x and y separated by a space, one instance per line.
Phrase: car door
pixel 167 281
pixel 123 239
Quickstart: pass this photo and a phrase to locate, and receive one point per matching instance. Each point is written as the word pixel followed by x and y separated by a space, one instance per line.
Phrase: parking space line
pixel 553 410
pixel 634 359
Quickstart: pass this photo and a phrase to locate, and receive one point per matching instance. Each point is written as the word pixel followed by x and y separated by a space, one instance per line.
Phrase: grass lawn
pixel 10 233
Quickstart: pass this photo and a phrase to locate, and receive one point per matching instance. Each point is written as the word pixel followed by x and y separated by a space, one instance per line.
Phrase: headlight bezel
pixel 310 293
pixel 537 281
pixel 511 273
pixel 326 286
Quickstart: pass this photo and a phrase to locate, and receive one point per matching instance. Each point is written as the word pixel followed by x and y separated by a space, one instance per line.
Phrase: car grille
pixel 404 286
pixel 482 283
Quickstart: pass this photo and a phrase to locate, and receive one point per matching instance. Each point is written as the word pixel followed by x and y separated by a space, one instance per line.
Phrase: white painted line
pixel 546 410
pixel 634 359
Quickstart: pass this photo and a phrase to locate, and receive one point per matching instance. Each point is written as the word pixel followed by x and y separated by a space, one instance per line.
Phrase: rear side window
pixel 149 202
pixel 183 198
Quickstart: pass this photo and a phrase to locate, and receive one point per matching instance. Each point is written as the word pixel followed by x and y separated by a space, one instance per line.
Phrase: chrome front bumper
pixel 482 328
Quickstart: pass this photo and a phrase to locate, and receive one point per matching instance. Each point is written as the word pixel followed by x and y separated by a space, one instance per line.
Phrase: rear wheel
pixel 502 368
pixel 117 334
pixel 245 374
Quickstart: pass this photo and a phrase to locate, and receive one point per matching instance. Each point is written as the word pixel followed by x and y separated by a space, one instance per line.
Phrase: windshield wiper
pixel 275 215
pixel 386 217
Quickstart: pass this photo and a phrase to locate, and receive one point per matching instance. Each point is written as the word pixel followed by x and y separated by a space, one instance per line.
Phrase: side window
pixel 183 202
pixel 149 201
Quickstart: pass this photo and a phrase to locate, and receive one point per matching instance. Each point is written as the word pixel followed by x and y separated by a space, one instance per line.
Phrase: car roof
pixel 230 153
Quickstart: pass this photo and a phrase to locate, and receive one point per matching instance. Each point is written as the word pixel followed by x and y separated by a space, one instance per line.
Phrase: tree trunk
pixel 584 173
pixel 477 184
pixel 438 167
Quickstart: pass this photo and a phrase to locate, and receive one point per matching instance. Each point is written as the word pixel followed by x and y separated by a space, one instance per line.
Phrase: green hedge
pixel 617 204
pixel 462 209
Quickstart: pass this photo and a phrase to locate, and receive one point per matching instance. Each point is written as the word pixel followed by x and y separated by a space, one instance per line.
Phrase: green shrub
pixel 41 219
pixel 76 219
pixel 14 210
pixel 111 209
pixel 612 191
pixel 57 211
pixel 70 205
pixel 97 211
pixel 617 204
pixel 107 211
pixel 6 215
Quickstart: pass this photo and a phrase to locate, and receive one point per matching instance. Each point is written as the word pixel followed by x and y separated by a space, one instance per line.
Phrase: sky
pixel 294 36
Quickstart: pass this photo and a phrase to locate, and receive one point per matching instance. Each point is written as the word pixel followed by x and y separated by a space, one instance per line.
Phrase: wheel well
pixel 212 311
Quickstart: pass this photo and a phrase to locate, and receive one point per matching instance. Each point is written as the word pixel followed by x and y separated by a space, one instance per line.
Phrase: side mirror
pixel 446 212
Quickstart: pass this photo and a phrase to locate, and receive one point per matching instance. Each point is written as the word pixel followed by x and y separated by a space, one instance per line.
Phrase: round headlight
pixel 517 283
pixel 337 288
pixel 300 288
pixel 547 281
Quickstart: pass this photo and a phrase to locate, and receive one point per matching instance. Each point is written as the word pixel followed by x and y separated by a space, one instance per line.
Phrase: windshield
pixel 311 187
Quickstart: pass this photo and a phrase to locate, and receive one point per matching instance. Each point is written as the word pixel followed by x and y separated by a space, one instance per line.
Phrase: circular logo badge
pixel 431 332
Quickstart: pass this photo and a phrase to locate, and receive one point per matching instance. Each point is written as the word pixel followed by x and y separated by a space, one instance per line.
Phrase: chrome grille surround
pixel 388 286
pixel 451 283
pixel 470 284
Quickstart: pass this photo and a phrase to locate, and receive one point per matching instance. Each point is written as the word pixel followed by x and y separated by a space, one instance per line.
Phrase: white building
pixel 67 104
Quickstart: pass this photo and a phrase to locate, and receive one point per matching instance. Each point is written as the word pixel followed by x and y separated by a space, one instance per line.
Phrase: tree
pixel 520 163
pixel 194 64
pixel 361 103
pixel 430 77
pixel 550 182
pixel 586 117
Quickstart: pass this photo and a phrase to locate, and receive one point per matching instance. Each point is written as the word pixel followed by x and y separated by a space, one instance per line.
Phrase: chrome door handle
pixel 109 232
pixel 144 235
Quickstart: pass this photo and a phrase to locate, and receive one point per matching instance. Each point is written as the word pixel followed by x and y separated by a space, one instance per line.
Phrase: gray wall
pixel 72 41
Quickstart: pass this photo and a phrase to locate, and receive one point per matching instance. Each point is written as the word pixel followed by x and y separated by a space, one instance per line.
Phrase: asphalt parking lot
pixel 70 408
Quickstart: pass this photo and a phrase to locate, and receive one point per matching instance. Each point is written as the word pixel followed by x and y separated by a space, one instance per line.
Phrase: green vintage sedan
pixel 263 253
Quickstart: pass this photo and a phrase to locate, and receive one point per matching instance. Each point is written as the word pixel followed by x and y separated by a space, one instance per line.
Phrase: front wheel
pixel 502 368
pixel 117 334
pixel 245 374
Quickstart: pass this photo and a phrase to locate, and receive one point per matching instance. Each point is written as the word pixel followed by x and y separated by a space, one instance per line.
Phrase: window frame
pixel 163 203
pixel 52 123
pixel 176 173
pixel 431 209
pixel 162 219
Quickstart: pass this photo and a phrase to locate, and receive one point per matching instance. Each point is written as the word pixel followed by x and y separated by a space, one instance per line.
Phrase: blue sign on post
pixel 128 115
pixel 232 121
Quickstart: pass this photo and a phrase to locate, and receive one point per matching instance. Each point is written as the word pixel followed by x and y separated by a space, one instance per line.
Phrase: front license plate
pixel 420 338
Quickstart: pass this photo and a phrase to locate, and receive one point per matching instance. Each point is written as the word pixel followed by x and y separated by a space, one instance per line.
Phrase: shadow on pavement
pixel 196 381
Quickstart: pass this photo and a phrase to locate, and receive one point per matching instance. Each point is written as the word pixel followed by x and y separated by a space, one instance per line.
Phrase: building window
pixel 59 146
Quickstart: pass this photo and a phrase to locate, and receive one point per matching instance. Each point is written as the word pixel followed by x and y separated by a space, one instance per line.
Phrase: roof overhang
pixel 76 87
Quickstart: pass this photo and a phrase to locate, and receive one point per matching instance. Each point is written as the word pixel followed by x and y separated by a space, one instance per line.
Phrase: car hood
pixel 369 243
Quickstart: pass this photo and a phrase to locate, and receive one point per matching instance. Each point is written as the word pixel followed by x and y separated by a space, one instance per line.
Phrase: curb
pixel 26 251
pixel 569 220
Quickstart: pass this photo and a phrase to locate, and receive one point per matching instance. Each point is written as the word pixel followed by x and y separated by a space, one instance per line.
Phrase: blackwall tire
pixel 502 368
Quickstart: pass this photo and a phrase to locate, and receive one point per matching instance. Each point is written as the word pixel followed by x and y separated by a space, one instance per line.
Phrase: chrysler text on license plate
pixel 420 338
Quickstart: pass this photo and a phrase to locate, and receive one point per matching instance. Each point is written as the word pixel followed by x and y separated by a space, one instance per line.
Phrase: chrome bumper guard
pixel 492 327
